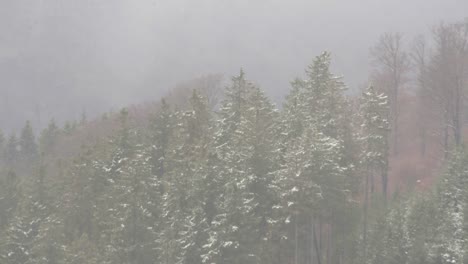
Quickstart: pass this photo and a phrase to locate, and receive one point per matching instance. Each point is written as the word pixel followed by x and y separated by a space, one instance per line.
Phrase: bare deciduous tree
pixel 419 58
pixel 391 64
pixel 448 76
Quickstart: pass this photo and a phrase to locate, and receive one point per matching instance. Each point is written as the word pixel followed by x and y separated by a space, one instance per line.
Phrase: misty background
pixel 67 57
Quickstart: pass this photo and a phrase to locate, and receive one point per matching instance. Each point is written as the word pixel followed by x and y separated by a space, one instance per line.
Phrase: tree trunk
pixel 296 253
pixel 395 117
pixel 329 244
pixel 457 118
pixel 446 139
pixel 423 141
pixel 384 184
pixel 366 204
pixel 316 246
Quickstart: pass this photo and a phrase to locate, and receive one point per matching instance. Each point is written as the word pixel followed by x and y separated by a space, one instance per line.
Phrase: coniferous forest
pixel 217 173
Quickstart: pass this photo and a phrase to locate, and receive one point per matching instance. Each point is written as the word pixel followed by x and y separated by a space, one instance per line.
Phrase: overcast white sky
pixel 60 56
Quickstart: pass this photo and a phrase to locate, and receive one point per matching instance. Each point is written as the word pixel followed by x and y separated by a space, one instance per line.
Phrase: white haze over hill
pixel 62 57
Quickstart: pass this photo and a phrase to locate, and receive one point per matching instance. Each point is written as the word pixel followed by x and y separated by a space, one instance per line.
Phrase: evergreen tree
pixel 27 143
pixel 49 137
pixel 67 128
pixel 246 158
pixel 184 200
pixel 22 234
pixel 161 127
pixel 11 151
pixel 315 174
pixel 129 216
pixel 375 133
pixel 85 184
pixel 82 250
pixel 9 197
pixel 374 143
pixel 450 242
pixel 227 242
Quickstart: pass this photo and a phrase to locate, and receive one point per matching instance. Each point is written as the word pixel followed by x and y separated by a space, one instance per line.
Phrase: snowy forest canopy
pixel 200 177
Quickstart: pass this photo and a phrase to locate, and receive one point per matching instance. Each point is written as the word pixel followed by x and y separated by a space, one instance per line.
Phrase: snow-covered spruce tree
pixel 326 112
pixel 315 174
pixel 449 244
pixel 185 220
pixel 16 242
pixel 310 165
pixel 325 102
pixel 290 158
pixel 52 237
pixel 374 133
pixel 9 224
pixel 397 241
pixel 34 211
pixel 10 196
pixel 129 211
pixel 162 141
pixel 421 224
pixel 225 240
pixel 373 251
pixel 263 161
pixel 78 216
pixel 11 154
pixel 389 237
pixel 160 136
pixel 134 211
pixel 48 138
pixel 27 144
pixel 82 250
pixel 374 136
pixel 244 153
pixel 293 115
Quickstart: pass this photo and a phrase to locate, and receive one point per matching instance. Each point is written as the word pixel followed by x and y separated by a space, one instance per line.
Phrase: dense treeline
pixel 241 181
pixel 245 184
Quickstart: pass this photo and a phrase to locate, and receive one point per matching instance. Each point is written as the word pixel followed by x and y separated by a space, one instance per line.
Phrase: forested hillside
pixel 330 177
